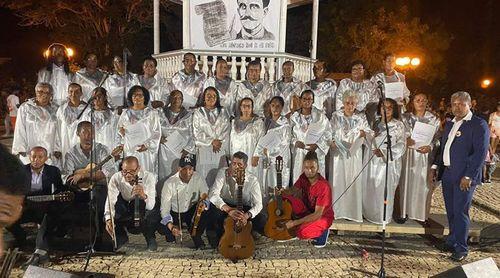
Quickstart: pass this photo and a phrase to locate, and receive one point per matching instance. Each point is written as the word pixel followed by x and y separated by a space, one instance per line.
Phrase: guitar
pixel 200 207
pixel 85 184
pixel 237 242
pixel 279 210
pixel 66 196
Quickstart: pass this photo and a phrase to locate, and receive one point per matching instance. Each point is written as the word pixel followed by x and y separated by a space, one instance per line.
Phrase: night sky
pixel 473 53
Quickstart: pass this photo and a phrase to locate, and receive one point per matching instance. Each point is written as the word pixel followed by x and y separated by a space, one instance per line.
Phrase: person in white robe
pixel 224 84
pixel 67 115
pixel 276 127
pixel 390 77
pixel 189 81
pixel 289 88
pixel 324 89
pixel 211 135
pixel 176 136
pixel 358 83
pixel 105 121
pixel 246 130
pixel 158 87
pixel 374 173
pixel 118 84
pixel 310 132
pixel 415 187
pixel 36 125
pixel 255 88
pixel 139 126
pixel 57 73
pixel 349 130
pixel 89 77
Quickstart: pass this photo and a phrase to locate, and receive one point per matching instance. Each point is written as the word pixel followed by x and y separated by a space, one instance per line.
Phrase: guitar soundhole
pixel 278 212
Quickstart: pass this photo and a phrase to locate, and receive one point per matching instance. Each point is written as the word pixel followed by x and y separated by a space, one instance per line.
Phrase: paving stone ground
pixel 406 255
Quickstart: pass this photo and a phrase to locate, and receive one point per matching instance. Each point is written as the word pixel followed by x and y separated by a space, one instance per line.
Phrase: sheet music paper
pixel 394 90
pixel 314 132
pixel 176 143
pixel 422 134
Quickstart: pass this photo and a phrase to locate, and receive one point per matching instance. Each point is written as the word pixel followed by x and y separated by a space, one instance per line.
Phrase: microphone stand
pixel 381 272
pixel 126 54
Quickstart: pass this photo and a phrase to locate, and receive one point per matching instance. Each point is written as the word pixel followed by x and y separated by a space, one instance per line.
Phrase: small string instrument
pixel 279 210
pixel 237 242
pixel 200 207
pixel 85 184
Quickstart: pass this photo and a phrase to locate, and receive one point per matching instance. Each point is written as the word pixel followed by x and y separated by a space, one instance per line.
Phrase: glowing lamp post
pixel 486 83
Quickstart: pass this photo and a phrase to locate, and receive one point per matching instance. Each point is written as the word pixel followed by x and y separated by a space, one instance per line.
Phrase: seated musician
pixel 224 199
pixel 77 172
pixel 45 180
pixel 123 188
pixel 181 194
pixel 311 199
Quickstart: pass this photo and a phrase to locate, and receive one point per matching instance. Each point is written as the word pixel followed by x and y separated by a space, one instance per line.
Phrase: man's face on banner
pixel 252 13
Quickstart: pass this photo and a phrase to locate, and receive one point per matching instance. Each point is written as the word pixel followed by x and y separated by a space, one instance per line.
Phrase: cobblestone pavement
pixel 406 255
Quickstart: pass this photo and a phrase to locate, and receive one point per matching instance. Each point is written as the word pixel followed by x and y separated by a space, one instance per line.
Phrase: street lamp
pixel 405 62
pixel 70 52
pixel 485 83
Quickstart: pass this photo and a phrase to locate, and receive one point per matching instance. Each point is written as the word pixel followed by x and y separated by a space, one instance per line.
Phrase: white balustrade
pixel 171 62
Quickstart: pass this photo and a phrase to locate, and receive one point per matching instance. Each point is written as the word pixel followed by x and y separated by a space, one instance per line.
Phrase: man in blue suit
pixel 463 149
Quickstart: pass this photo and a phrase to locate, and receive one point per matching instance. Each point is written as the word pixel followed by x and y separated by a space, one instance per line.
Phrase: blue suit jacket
pixel 468 151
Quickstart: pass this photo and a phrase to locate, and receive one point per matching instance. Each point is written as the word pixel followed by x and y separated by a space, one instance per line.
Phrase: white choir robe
pixel 374 173
pixel 244 138
pixel 363 89
pixel 287 90
pixel 346 163
pixel 227 91
pixel 414 183
pixel 115 84
pixel 36 126
pixel 158 87
pixel 148 160
pixel 59 80
pixel 207 127
pixel 88 81
pixel 67 123
pixel 181 122
pixel 324 95
pixel 105 127
pixel 283 133
pixel 260 93
pixel 191 85
pixel 396 77
pixel 299 124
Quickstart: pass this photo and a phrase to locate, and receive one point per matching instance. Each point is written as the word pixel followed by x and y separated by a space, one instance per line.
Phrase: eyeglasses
pixel 129 172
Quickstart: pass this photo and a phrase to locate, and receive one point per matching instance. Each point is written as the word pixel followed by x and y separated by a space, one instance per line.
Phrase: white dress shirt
pixel 178 196
pixel 36 181
pixel 451 137
pixel 118 185
pixel 224 191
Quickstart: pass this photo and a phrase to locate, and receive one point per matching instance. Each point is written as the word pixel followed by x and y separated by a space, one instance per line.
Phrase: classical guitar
pixel 237 242
pixel 279 210
pixel 200 207
pixel 85 184
pixel 66 196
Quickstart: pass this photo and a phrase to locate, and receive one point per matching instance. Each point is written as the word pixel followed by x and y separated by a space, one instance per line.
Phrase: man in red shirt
pixel 311 199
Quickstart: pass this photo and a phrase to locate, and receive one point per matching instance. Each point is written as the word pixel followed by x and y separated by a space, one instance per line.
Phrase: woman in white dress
pixel 211 135
pixel 246 130
pixel 374 175
pixel 349 130
pixel 415 187
pixel 139 126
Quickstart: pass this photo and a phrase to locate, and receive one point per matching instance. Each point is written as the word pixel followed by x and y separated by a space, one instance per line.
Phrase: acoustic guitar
pixel 279 210
pixel 66 196
pixel 237 242
pixel 200 207
pixel 85 184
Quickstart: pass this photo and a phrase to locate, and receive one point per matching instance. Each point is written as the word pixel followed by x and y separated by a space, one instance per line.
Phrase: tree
pixel 104 26
pixel 367 29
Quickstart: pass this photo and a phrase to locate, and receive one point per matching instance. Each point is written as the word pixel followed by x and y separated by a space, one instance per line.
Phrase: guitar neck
pixel 279 180
pixel 41 198
pixel 100 164
pixel 240 198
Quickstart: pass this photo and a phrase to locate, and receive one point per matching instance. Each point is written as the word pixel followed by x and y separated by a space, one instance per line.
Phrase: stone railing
pixel 171 62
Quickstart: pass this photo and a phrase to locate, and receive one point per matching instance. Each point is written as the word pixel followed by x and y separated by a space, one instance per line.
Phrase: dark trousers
pixel 45 214
pixel 124 217
pixel 215 228
pixel 457 203
pixel 187 218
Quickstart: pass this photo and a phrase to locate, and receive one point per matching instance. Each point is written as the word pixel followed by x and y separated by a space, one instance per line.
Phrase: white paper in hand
pixel 176 143
pixel 314 132
pixel 394 90
pixel 422 134
pixel 270 140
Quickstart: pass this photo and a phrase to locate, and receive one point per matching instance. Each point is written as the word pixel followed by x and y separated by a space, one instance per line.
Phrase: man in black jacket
pixel 45 180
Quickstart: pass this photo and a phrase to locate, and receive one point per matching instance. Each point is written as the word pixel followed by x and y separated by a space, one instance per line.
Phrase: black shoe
pixel 36 260
pixel 401 220
pixel 198 243
pixel 152 245
pixel 458 256
pixel 444 247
